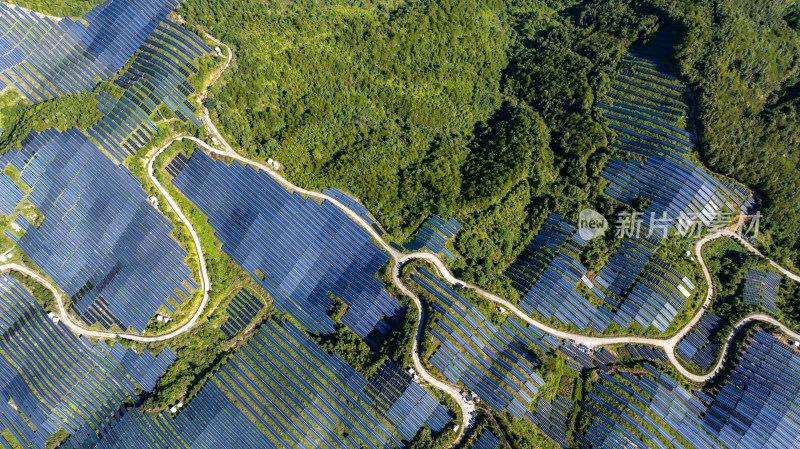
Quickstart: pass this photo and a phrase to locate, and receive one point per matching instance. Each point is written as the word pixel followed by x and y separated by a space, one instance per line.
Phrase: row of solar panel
pixel 279 390
pixel 100 236
pixel 297 249
pixel 553 418
pixel 624 408
pixel 755 407
pixel 46 59
pixel 482 356
pixel 403 402
pixel 10 194
pixel 487 440
pixel 761 288
pixel 56 380
pixel 241 310
pixel 466 356
pixel 350 203
pixel 434 234
pixel 158 76
pixel 548 273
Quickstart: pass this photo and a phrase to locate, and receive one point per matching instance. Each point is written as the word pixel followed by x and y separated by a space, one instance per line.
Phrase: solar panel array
pixel 281 390
pixel 158 76
pixel 241 310
pixel 296 249
pixel 55 380
pixel 434 235
pixel 350 203
pixel 696 345
pixel 553 418
pixel 761 288
pixel 548 273
pixel 643 411
pixel 743 196
pixel 494 363
pixel 46 57
pixel 673 183
pixel 645 352
pixel 404 403
pixel 101 240
pixel 10 194
pixel 487 440
pixel 648 103
pixel 759 404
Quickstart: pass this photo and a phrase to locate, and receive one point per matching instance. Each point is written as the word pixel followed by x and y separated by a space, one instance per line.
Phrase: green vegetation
pixel 38 291
pixel 405 105
pixel 11 440
pixel 57 439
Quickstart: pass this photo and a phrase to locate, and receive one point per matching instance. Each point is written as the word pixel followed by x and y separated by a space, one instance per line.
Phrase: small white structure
pixel 173 409
pixel 154 200
pixel 15 227
pixel 214 140
pixel 416 377
pixel 796 344
pixel 688 253
pixel 456 427
pixel 159 318
pixel 273 163
pixel 218 50
pixel 179 404
pixel 411 371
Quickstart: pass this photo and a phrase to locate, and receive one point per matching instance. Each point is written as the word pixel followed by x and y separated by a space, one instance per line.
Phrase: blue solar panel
pixel 281 390
pixel 10 194
pixel 297 249
pixel 241 310
pixel 55 379
pixel 56 56
pixel 487 440
pixel 100 240
pixel 434 234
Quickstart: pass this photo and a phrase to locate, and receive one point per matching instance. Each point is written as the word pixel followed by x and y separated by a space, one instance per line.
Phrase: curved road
pixel 79 328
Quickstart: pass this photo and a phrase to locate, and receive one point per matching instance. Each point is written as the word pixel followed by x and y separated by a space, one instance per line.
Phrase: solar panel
pixel 281 390
pixel 434 234
pixel 101 239
pixel 57 57
pixel 295 248
pixel 57 380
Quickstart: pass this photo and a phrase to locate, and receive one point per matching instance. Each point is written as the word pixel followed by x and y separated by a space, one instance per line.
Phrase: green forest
pixel 486 107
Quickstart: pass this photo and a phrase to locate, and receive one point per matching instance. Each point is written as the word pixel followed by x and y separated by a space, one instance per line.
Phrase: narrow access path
pixel 79 328
pixel 206 118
